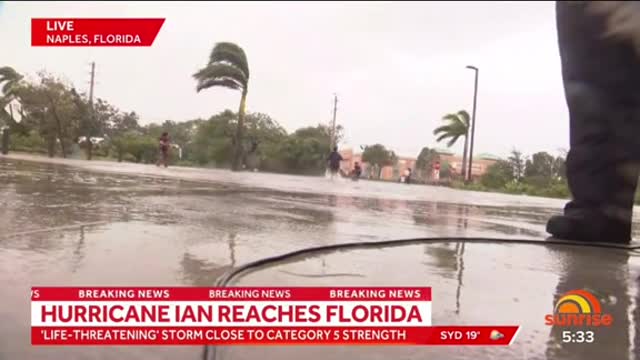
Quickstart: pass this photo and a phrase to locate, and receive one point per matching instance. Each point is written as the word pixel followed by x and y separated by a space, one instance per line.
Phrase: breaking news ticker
pixel 247 316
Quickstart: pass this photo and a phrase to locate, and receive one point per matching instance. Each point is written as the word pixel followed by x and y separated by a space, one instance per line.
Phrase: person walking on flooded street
pixel 356 172
pixel 599 45
pixel 334 162
pixel 407 176
pixel 165 144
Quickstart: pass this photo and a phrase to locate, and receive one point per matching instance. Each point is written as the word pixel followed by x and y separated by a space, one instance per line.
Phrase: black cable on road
pixel 210 351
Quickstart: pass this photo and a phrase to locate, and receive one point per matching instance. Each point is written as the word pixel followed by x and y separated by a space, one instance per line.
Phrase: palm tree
pixel 228 67
pixel 457 125
pixel 9 79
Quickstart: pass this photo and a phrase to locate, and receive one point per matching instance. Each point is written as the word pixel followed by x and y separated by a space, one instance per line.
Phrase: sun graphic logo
pixel 578 308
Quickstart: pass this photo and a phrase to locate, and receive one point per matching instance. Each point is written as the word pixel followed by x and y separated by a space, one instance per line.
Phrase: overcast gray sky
pixel 397 67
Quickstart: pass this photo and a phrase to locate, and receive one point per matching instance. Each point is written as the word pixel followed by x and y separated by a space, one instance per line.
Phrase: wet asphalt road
pixel 98 223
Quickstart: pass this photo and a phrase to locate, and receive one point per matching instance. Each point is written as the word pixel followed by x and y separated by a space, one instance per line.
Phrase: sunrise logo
pixel 578 308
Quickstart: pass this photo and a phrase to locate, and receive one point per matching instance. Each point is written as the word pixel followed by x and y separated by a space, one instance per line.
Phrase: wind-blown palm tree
pixel 457 125
pixel 228 67
pixel 9 79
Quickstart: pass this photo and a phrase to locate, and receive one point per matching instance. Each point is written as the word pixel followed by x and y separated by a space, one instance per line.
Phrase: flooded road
pixel 100 224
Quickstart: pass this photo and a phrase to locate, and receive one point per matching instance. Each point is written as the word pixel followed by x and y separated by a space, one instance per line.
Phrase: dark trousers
pixel 601 78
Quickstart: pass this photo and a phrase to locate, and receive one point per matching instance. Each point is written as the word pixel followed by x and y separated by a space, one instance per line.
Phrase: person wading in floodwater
pixel 165 143
pixel 356 172
pixel 407 176
pixel 334 162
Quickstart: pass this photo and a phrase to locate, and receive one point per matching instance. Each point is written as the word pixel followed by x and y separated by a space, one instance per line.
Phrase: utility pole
pixel 333 124
pixel 91 114
pixel 473 119
pixel 93 76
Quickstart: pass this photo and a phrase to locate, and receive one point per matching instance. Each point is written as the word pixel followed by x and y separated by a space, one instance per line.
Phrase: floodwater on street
pixel 79 223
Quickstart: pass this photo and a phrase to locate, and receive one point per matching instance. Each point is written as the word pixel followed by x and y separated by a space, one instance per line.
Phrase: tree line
pixel 53 118
pixel 541 174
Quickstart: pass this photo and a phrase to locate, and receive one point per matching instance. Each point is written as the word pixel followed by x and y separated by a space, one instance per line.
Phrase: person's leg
pixel 600 79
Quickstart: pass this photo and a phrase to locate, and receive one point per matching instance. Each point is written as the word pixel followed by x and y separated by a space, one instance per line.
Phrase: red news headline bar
pixel 438 335
pixel 231 294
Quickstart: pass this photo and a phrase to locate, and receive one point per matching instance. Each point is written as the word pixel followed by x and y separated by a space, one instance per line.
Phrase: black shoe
pixel 589 229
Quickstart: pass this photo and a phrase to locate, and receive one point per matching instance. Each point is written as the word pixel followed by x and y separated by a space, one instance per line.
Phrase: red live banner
pixel 76 32
pixel 387 336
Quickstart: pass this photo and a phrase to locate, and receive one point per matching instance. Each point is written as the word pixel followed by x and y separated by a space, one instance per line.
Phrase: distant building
pixel 399 168
pixel 350 159
pixel 479 165
pixel 387 173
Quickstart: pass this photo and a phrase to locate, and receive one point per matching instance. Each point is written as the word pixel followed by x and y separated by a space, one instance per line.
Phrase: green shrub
pixel 498 175
pixel 514 187
pixel 30 143
pixel 143 149
pixel 128 157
